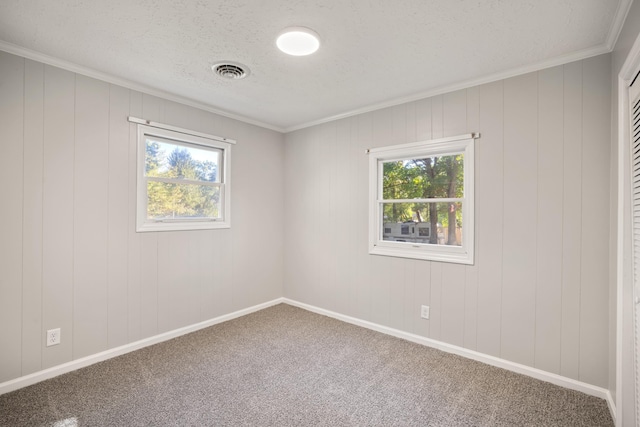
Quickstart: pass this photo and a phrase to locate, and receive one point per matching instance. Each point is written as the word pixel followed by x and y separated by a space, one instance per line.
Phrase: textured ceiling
pixel 374 52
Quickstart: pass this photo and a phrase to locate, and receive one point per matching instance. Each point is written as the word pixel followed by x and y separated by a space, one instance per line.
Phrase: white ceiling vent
pixel 230 70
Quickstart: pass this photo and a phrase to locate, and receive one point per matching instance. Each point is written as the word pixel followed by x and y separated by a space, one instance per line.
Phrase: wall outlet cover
pixel 424 312
pixel 53 337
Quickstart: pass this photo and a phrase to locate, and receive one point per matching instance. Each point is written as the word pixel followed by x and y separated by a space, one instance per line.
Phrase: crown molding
pixel 465 84
pixel 612 37
pixel 618 22
pixel 129 84
pixel 606 47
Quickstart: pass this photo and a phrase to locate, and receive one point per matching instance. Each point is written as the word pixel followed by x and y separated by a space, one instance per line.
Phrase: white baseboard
pixel 470 354
pixel 45 374
pixel 569 383
pixel 612 407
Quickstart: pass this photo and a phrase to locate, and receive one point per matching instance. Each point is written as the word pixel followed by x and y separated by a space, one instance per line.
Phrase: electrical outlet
pixel 424 312
pixel 53 337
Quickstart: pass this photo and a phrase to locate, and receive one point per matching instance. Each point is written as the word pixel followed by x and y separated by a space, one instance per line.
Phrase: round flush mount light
pixel 230 70
pixel 298 41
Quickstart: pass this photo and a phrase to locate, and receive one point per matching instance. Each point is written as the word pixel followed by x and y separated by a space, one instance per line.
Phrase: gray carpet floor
pixel 284 366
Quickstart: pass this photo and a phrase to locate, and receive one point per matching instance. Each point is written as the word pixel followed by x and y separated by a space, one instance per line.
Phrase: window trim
pixel 452 145
pixel 180 136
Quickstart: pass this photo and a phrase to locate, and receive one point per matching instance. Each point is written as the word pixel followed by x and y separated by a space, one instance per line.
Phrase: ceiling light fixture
pixel 298 41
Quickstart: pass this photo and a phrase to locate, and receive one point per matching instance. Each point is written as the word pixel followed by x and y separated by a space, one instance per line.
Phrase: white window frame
pixel 436 147
pixel 190 138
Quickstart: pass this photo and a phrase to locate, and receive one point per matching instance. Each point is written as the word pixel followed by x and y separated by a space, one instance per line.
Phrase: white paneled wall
pixel 69 254
pixel 538 292
pixel 11 223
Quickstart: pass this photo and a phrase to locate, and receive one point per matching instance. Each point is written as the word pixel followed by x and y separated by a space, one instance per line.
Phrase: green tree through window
pixel 425 178
pixel 186 167
pixel 421 199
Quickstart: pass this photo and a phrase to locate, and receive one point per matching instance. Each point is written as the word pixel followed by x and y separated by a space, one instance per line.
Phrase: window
pixel 421 200
pixel 183 179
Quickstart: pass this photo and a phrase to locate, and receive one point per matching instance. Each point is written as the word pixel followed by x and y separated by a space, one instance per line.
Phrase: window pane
pixel 416 222
pixel 424 178
pixel 169 201
pixel 171 159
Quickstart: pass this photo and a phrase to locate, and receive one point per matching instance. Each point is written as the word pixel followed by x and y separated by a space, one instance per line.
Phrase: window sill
pixel 455 255
pixel 181 226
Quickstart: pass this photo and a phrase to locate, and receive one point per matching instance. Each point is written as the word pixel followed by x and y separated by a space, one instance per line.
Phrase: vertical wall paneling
pixel 32 331
pixel 526 298
pixel 150 302
pixel 181 115
pixel 341 212
pixel 454 113
pixel 313 178
pixel 489 206
pixel 437 117
pixel 437 131
pixel 195 276
pixel 307 213
pixel 330 221
pixel 422 295
pixel 571 221
pixel 118 215
pixel 224 277
pixel 152 108
pixel 173 290
pixel 186 286
pixel 355 156
pixel 364 135
pixel 210 123
pixel 411 304
pixel 71 258
pixel 542 172
pixel 58 219
pixel 454 119
pixel 422 269
pixel 293 215
pixel 594 293
pixel 324 170
pixel 208 258
pixel 134 292
pixel 411 122
pixel 182 290
pixel 162 276
pixel 320 180
pixel 550 211
pixel 382 266
pixel 520 218
pixel 253 264
pixel 435 298
pixel 90 217
pixel 423 120
pixel 471 271
pixel 452 313
pixel 397 279
pixel 253 199
pixel 310 218
pixel 228 293
pixel 12 70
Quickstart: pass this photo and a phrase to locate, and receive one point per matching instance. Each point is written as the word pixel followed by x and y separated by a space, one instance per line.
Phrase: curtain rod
pixel 178 129
pixel 474 135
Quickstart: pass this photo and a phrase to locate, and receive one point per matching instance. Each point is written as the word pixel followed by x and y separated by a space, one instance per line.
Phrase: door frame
pixel 624 252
